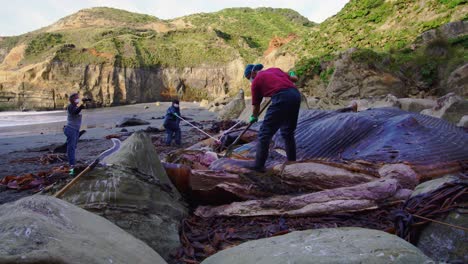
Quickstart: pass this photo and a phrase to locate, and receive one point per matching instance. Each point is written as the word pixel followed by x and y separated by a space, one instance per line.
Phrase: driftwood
pixel 395 185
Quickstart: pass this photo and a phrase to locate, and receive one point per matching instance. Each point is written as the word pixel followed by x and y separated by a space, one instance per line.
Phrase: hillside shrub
pixel 43 42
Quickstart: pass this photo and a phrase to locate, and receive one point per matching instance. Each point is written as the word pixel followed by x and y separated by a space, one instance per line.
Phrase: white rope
pixel 231 128
pixel 217 140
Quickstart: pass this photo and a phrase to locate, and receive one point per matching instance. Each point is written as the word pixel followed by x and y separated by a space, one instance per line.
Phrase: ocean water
pixel 17 118
pixel 16 123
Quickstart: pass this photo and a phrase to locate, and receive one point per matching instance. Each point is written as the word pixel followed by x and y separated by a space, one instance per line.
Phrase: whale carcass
pixel 347 162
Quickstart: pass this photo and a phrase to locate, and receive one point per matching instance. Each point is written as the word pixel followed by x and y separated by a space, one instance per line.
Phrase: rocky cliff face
pixel 47 85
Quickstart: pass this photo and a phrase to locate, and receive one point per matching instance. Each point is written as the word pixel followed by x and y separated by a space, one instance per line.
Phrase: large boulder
pixel 135 193
pixel 377 102
pixel 457 81
pixel 234 108
pixel 332 245
pixel 245 115
pixel 441 242
pixel 43 229
pixel 433 185
pixel 444 243
pixel 463 122
pixel 416 104
pixel 450 107
pixel 352 80
pixel 449 30
pixel 218 103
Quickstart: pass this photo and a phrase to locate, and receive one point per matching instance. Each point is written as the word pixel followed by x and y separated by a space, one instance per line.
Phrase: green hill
pixel 137 40
pixel 379 25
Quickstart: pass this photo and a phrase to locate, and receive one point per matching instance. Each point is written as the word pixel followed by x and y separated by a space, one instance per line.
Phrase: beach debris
pixel 151 129
pixel 196 159
pixel 110 136
pixel 43 229
pixel 131 121
pixel 36 181
pixel 202 237
pixel 48 158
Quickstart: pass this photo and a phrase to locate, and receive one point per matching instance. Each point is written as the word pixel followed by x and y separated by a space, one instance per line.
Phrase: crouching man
pixel 282 114
pixel 172 123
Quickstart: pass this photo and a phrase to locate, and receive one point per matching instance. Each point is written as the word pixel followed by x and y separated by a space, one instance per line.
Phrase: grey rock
pixel 450 107
pixel 135 193
pixel 449 30
pixel 332 245
pixel 375 102
pixel 416 104
pixel 131 121
pixel 443 243
pixel 245 115
pixel 204 103
pixel 433 185
pixel 234 108
pixel 44 229
pixel 463 122
pixel 457 81
pixel 352 80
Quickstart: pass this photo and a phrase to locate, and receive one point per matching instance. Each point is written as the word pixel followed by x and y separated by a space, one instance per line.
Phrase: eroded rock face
pixel 332 245
pixel 351 80
pixel 135 193
pixel 43 229
pixel 47 85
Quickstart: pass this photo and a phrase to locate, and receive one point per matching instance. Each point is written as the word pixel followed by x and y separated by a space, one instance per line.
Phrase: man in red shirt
pixel 282 114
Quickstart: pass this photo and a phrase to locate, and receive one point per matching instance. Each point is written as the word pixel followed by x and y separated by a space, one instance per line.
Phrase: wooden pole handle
pixel 75 180
pixel 229 150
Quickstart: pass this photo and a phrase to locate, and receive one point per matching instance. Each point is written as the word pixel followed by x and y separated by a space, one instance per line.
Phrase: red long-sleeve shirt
pixel 268 82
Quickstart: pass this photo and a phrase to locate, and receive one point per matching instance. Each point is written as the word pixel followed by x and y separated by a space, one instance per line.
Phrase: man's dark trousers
pixel 282 114
pixel 173 132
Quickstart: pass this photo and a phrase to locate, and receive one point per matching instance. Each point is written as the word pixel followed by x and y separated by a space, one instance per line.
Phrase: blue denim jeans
pixel 282 114
pixel 173 133
pixel 72 141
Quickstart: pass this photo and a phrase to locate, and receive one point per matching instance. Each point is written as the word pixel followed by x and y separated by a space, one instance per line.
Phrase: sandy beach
pixel 22 142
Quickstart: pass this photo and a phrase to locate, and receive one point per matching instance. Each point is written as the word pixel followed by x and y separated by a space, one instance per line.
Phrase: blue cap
pixel 252 67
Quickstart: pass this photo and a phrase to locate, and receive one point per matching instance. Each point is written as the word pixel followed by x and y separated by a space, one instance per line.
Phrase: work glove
pixel 253 119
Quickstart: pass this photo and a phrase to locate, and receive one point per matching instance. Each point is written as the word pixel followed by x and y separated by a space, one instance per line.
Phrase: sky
pixel 21 16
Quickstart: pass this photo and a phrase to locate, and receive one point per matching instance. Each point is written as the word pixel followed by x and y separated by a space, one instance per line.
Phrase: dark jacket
pixel 74 116
pixel 171 121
